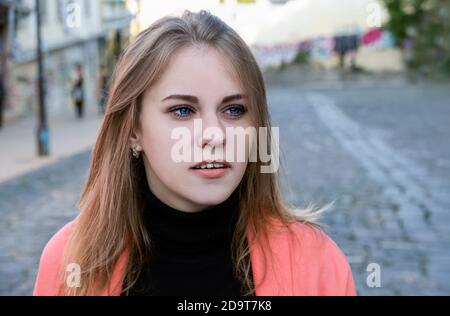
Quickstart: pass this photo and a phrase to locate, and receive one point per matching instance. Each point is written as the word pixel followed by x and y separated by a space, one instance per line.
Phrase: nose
pixel 212 132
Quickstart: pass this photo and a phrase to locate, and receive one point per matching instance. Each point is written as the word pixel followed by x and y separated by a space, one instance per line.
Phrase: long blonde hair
pixel 111 204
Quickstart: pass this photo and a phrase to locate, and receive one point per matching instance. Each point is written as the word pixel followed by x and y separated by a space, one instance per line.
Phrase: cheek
pixel 240 168
pixel 156 140
pixel 159 162
pixel 241 146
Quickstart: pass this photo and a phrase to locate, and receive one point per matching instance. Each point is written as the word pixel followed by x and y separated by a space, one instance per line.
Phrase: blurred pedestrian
pixel 2 99
pixel 102 89
pixel 77 91
pixel 346 45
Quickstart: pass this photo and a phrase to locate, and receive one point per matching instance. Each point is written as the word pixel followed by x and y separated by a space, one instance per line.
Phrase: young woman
pixel 150 225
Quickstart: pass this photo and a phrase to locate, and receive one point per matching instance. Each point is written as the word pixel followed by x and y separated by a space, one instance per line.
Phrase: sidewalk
pixel 68 136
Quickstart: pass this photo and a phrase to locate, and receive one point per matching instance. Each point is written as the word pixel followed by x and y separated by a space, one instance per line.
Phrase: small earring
pixel 135 153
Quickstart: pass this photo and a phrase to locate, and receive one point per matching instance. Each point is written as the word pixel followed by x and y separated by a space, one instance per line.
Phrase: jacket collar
pixel 271 277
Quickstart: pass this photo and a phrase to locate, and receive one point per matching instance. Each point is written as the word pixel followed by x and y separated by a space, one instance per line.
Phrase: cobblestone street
pixel 380 150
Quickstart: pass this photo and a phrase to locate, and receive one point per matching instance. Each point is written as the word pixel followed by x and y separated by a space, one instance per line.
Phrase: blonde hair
pixel 111 204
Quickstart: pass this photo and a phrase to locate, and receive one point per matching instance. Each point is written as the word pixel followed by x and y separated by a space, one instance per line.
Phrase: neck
pixel 175 229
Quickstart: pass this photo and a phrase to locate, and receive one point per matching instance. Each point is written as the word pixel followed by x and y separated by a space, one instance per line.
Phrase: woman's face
pixel 204 78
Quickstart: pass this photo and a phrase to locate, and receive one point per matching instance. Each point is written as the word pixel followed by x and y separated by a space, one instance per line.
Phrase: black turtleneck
pixel 191 252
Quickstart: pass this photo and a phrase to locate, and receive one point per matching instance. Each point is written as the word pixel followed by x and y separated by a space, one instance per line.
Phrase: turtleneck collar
pixel 175 230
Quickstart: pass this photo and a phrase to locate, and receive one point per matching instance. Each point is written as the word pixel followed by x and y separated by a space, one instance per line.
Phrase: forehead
pixel 197 70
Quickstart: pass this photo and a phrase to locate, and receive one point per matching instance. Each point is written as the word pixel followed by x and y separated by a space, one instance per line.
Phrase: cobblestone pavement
pixel 32 208
pixel 381 152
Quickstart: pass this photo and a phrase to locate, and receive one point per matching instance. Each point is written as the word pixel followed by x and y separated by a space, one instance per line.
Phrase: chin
pixel 211 197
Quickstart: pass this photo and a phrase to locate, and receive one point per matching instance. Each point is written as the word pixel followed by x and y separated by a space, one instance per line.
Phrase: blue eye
pixel 182 111
pixel 235 110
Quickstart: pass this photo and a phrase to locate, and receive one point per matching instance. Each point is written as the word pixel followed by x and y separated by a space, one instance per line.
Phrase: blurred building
pixel 117 17
pixel 3 32
pixel 87 32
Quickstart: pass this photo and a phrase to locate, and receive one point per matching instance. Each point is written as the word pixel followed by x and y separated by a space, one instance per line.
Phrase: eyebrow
pixel 194 99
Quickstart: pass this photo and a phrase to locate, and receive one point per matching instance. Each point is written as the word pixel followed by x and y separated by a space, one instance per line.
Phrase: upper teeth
pixel 212 165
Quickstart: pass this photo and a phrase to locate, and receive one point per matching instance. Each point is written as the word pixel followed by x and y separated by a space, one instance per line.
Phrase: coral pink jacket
pixel 305 262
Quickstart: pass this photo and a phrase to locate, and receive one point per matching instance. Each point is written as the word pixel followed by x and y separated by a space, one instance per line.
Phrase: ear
pixel 135 141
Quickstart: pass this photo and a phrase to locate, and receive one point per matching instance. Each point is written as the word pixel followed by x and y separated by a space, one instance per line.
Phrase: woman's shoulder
pixel 315 241
pixel 55 246
pixel 47 279
pixel 315 258
pixel 306 239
